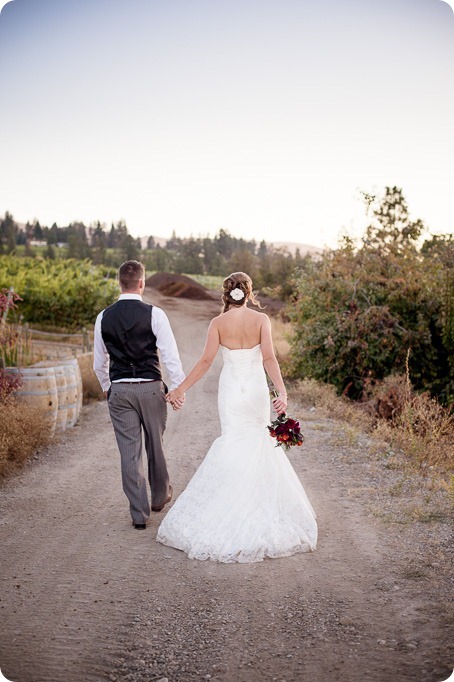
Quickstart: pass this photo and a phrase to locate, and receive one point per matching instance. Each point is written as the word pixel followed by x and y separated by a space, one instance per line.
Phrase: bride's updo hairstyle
pixel 236 290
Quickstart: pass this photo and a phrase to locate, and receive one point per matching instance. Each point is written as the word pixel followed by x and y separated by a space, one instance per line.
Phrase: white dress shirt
pixel 165 341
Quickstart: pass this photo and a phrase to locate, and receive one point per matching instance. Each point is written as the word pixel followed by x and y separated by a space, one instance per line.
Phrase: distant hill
pixel 293 246
pixel 162 241
pixel 290 246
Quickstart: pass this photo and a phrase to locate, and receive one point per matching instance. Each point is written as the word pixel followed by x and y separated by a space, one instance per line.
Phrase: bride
pixel 245 501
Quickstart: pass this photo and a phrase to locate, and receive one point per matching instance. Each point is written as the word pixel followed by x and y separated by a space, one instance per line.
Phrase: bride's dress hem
pixel 240 557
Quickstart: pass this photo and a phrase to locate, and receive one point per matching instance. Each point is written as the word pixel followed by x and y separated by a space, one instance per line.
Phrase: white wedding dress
pixel 245 501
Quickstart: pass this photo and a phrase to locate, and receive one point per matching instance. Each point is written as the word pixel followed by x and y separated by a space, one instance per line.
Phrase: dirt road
pixel 85 597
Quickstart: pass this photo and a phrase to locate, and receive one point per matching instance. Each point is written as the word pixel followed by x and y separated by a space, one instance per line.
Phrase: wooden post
pixel 85 340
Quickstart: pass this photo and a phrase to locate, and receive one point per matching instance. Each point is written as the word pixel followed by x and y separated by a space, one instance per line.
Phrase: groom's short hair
pixel 130 273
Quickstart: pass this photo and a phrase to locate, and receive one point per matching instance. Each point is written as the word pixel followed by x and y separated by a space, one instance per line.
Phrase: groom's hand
pixel 178 403
pixel 175 401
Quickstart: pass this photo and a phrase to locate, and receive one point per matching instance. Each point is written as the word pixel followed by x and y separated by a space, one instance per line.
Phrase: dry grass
pixel 421 428
pixel 24 430
pixel 424 430
pixel 345 435
pixel 92 389
pixel 311 393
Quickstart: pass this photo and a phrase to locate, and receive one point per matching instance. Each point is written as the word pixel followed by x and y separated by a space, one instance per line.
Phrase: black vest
pixel 129 339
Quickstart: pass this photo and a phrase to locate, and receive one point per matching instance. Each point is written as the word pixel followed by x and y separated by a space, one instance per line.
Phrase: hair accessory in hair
pixel 237 294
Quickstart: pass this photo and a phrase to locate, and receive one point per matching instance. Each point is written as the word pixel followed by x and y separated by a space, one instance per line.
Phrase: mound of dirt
pixel 179 286
pixel 271 306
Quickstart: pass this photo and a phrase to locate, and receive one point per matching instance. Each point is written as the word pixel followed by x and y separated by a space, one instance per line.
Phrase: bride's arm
pixel 202 365
pixel 272 366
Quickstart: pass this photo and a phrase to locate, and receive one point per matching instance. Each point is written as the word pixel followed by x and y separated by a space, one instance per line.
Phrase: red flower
pixel 286 431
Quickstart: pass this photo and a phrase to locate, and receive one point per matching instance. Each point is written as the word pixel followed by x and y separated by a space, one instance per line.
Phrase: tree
pixel 174 243
pixel 37 230
pixel 8 233
pixel 190 257
pixel 98 243
pixel 243 261
pixel 441 248
pixel 112 238
pixel 77 241
pixel 213 262
pixel 263 249
pixel 161 260
pixel 22 237
pixel 358 311
pixel 53 235
pixel 130 247
pixel 225 243
pixel 392 229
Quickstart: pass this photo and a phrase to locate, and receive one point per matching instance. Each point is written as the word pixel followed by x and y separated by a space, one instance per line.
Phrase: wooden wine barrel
pixel 62 392
pixel 78 376
pixel 39 389
pixel 74 386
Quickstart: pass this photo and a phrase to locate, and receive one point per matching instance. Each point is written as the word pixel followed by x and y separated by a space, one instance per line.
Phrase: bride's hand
pixel 176 398
pixel 280 403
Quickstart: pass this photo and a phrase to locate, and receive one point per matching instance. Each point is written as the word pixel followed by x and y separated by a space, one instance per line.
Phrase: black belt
pixel 145 381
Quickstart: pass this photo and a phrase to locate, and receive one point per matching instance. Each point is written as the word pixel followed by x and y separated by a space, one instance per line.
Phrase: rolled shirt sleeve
pixel 101 356
pixel 167 346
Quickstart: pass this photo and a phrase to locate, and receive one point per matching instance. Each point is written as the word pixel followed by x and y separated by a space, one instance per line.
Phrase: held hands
pixel 280 403
pixel 176 398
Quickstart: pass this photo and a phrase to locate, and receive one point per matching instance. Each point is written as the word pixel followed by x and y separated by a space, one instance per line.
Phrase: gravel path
pixel 86 597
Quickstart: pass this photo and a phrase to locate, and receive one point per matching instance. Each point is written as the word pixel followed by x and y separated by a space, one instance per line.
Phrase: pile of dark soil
pixel 180 286
pixel 271 306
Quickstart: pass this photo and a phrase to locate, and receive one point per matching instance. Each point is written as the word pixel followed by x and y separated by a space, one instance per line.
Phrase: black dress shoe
pixel 158 509
pixel 140 526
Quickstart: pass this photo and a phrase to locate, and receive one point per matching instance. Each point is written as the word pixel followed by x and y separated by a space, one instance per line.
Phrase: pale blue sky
pixel 262 117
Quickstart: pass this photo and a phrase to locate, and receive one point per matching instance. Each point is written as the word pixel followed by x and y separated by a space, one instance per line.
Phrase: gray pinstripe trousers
pixel 134 407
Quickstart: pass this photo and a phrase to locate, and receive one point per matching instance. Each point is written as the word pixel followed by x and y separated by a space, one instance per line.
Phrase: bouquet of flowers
pixel 285 429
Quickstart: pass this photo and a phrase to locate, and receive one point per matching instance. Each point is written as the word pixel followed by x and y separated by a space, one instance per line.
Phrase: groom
pixel 128 335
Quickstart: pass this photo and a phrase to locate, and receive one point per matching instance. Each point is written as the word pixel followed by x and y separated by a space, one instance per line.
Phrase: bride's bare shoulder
pixel 216 322
pixel 262 316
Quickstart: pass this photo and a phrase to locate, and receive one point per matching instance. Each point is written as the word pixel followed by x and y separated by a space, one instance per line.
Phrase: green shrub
pixel 357 311
pixel 63 293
